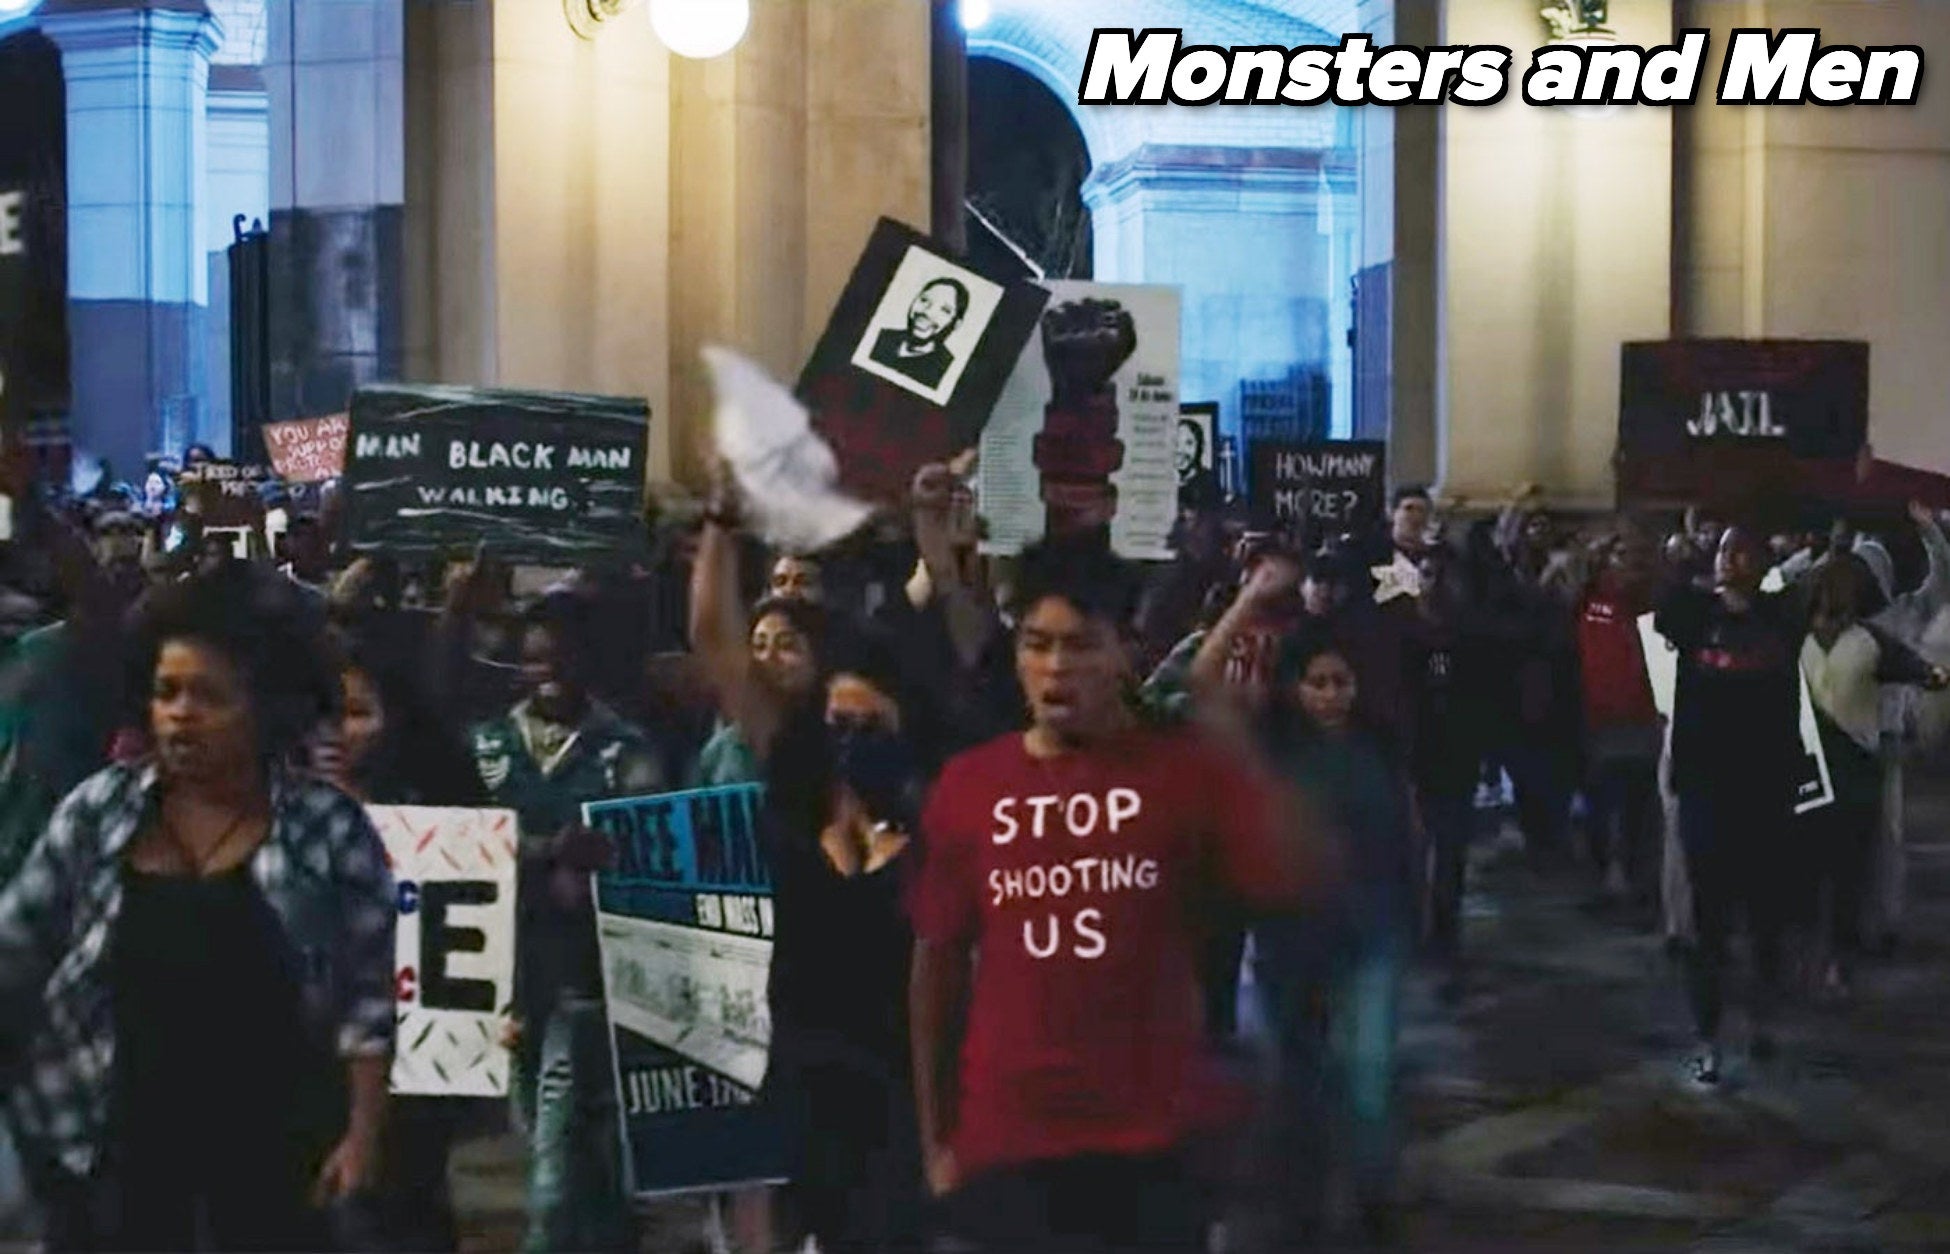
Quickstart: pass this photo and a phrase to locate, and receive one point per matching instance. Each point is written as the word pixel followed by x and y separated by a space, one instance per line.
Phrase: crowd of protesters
pixel 1035 827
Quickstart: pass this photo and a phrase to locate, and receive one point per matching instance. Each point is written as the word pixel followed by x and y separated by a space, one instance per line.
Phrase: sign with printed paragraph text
pixel 308 450
pixel 684 917
pixel 454 873
pixel 545 478
pixel 1319 488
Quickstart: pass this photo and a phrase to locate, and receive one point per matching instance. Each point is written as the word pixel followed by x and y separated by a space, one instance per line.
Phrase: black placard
pixel 889 401
pixel 547 478
pixel 1700 419
pixel 1319 488
pixel 33 225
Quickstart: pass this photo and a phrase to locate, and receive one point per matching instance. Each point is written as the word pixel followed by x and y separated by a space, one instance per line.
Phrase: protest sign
pixel 308 450
pixel 548 478
pixel 684 918
pixel 1814 787
pixel 1319 488
pixel 454 874
pixel 224 494
pixel 1089 419
pixel 912 360
pixel 34 350
pixel 1195 455
pixel 1721 420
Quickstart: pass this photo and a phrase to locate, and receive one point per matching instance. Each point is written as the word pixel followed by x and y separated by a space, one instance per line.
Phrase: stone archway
pixel 1252 211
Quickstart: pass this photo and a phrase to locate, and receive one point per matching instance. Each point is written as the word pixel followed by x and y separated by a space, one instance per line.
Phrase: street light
pixel 700 29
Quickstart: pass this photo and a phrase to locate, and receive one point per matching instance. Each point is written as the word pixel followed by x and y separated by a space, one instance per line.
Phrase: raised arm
pixel 946 531
pixel 718 629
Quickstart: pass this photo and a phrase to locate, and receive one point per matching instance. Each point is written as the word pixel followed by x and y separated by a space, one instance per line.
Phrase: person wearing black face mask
pixel 841 852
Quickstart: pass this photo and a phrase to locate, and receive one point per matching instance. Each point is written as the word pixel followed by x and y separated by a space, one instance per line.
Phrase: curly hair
pixel 265 626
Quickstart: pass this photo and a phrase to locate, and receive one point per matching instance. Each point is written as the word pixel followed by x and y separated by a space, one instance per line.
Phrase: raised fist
pixel 1084 342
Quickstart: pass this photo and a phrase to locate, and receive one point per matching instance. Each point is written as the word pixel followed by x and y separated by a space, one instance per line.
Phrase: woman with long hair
pixel 1331 979
pixel 200 951
pixel 829 735
pixel 388 748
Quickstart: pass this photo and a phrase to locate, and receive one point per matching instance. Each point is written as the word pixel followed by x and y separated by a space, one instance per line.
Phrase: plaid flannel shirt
pixel 322 869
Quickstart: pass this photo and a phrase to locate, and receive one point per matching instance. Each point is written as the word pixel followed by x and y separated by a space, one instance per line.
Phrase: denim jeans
pixel 1333 998
pixel 566 1100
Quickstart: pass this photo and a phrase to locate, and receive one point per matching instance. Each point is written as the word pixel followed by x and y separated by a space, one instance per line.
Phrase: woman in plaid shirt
pixel 196 961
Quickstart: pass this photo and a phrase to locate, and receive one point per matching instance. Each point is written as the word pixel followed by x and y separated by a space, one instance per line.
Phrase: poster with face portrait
pixel 912 360
pixel 1195 451
pixel 1087 430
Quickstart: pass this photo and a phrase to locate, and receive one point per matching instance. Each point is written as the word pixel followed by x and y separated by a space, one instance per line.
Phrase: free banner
pixel 1320 488
pixel 684 918
pixel 454 872
pixel 1089 420
pixel 912 360
pixel 546 478
pixel 1813 789
pixel 308 450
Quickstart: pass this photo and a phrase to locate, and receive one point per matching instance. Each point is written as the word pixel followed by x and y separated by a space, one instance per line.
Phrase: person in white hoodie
pixel 1845 661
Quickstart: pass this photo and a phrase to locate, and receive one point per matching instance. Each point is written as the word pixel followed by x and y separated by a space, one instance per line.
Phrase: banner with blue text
pixel 684 916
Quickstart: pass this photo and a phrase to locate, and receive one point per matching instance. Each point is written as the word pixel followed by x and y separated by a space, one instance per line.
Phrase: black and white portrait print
pixel 927 325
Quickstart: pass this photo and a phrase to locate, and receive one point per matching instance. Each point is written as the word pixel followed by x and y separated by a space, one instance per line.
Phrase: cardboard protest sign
pixel 911 362
pixel 34 350
pixel 308 450
pixel 1320 488
pixel 1722 420
pixel 454 872
pixel 224 494
pixel 547 478
pixel 684 918
pixel 1814 787
pixel 1089 422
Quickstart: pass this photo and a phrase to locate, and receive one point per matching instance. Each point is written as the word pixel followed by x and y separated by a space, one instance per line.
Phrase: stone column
pixel 1826 223
pixel 333 69
pixel 1555 247
pixel 537 203
pixel 137 77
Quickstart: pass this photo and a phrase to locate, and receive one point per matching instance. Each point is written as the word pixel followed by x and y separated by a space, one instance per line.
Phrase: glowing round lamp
pixel 699 29
pixel 17 8
pixel 974 14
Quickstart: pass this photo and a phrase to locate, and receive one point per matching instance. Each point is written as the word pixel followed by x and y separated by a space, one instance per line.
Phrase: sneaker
pixel 1704 1069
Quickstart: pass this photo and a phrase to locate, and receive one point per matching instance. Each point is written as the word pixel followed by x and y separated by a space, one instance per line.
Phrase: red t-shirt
pixel 1617 689
pixel 1079 880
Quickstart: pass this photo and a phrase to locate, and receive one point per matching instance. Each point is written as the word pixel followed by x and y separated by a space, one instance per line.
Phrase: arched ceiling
pixel 1048 39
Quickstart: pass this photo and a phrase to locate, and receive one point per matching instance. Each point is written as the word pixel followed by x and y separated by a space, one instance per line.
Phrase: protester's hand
pixel 1939 679
pixel 568 889
pixel 582 849
pixel 1084 343
pixel 944 1174
pixel 1921 514
pixel 474 587
pixel 511 1030
pixel 1270 583
pixel 326 755
pixel 354 586
pixel 724 504
pixel 352 1168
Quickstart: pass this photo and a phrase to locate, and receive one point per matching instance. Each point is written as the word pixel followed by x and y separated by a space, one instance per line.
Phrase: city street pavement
pixel 1549 1111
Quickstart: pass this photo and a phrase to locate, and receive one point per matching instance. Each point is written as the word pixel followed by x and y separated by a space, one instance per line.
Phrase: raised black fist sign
pixel 1084 343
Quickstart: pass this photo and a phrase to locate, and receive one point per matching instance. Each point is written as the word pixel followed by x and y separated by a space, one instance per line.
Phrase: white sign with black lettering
pixel 454 872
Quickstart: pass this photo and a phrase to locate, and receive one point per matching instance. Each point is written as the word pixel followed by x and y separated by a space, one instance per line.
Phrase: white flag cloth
pixel 786 473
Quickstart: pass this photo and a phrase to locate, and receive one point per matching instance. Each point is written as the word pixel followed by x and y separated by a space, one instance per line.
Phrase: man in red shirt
pixel 1623 734
pixel 1059 1079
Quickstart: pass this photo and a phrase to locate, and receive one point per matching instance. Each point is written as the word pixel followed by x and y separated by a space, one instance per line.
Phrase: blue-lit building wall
pixel 1255 213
